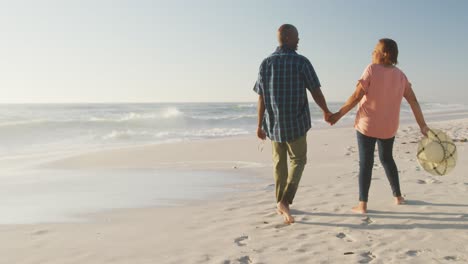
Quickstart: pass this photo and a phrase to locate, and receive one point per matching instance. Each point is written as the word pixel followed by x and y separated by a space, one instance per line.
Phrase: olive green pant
pixel 288 182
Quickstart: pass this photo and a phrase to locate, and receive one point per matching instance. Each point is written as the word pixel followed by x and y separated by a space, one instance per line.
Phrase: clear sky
pixel 186 51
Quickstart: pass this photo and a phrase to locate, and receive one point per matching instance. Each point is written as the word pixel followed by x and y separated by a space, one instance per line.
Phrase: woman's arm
pixel 352 101
pixel 413 102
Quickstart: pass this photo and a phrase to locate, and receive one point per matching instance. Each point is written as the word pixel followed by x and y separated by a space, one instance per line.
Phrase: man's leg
pixel 280 168
pixel 297 151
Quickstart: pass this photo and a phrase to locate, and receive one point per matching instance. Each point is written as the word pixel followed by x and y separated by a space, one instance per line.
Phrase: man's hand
pixel 261 134
pixel 326 117
pixel 334 118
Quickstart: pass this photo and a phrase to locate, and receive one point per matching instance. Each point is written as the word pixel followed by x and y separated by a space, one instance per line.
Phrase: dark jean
pixel 366 147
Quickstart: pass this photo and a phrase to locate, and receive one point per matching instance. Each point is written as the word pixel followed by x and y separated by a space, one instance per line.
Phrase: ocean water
pixel 37 128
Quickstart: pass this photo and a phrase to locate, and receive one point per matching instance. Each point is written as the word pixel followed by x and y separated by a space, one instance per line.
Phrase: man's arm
pixel 261 112
pixel 413 102
pixel 321 102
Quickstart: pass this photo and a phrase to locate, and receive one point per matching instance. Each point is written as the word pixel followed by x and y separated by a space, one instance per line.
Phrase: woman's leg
pixel 391 170
pixel 366 147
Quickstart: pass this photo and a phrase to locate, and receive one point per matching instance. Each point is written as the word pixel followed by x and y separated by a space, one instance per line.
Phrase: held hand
pixel 424 130
pixel 261 134
pixel 326 117
pixel 334 118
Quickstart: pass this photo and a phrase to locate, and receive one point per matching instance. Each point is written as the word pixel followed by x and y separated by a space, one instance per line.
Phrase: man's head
pixel 288 36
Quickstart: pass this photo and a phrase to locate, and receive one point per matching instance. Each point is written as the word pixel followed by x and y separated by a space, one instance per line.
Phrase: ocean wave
pixel 223 117
pixel 171 112
pixel 246 106
pixel 22 123
pixel 441 108
pixel 167 113
pixel 244 117
pixel 216 132
pixel 132 134
pixel 128 134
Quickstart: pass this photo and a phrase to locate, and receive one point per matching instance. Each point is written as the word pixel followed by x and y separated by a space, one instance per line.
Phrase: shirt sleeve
pixel 365 79
pixel 258 87
pixel 311 80
pixel 406 83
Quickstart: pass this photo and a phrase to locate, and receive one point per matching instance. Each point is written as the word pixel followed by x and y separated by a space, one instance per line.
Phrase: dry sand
pixel 244 228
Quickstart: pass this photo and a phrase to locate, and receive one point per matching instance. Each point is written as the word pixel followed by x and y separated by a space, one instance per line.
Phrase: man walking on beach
pixel 284 115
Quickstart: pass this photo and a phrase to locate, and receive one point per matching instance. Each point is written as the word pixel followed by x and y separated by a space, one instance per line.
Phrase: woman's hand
pixel 424 130
pixel 334 118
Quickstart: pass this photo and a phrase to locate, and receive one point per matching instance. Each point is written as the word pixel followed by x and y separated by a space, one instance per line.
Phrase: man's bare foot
pixel 361 208
pixel 283 209
pixel 278 211
pixel 399 200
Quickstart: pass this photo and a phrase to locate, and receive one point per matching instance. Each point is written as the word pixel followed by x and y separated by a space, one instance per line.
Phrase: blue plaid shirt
pixel 282 80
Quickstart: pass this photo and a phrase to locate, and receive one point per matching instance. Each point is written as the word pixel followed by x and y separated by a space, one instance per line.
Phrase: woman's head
pixel 385 52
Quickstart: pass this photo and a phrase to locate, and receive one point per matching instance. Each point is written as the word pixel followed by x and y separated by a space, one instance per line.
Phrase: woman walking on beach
pixel 379 93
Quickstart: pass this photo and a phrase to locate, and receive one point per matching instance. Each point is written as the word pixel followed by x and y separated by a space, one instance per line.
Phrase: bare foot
pixel 284 210
pixel 278 210
pixel 361 208
pixel 399 200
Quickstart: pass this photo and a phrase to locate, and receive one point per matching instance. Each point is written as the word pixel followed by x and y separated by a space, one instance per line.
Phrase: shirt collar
pixel 284 49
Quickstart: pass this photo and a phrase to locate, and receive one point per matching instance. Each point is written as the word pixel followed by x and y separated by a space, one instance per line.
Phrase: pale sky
pixel 205 51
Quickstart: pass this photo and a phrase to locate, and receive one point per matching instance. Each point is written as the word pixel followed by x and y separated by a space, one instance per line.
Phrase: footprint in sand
pixel 239 241
pixel 301 250
pixel 279 226
pixel 433 181
pixel 40 232
pixel 421 182
pixel 452 258
pixel 344 237
pixel 366 221
pixel 341 235
pixel 428 181
pixel 413 253
pixel 244 260
pixel 367 257
pixel 350 150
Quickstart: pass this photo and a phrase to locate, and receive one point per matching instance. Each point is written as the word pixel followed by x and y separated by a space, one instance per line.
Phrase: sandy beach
pixel 243 227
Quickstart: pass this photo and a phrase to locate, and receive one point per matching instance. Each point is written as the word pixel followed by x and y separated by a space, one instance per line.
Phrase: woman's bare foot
pixel 399 200
pixel 361 208
pixel 283 209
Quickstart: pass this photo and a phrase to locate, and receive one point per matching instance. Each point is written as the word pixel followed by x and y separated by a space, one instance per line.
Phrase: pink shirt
pixel 378 114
